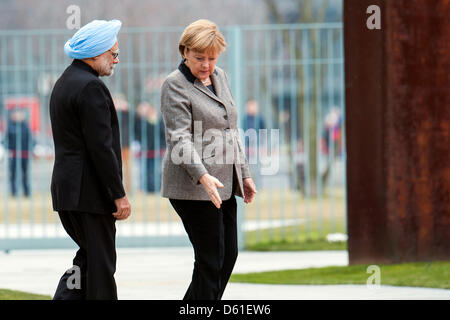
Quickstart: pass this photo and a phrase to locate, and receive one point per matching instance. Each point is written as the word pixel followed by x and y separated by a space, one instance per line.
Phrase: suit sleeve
pixel 95 117
pixel 177 116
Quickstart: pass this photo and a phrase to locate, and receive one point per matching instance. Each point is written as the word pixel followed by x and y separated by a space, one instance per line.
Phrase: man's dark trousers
pixel 96 258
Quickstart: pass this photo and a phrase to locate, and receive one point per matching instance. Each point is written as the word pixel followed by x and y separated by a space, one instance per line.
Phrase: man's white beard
pixel 106 70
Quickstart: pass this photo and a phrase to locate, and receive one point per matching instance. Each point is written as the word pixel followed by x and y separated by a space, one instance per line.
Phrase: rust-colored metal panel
pixel 398 131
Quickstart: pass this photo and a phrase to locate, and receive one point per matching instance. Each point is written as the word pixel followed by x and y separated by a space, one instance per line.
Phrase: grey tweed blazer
pixel 201 136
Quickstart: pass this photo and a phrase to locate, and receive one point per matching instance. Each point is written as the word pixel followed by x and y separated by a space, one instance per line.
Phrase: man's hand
pixel 249 190
pixel 210 185
pixel 123 208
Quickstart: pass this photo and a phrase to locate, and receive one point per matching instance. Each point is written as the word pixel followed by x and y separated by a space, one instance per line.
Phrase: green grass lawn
pixel 301 237
pixel 6 294
pixel 290 245
pixel 433 275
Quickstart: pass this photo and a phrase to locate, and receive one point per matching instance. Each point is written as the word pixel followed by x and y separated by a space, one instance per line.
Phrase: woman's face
pixel 201 64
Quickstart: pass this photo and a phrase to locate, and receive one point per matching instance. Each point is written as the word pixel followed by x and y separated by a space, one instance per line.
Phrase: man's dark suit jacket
pixel 87 174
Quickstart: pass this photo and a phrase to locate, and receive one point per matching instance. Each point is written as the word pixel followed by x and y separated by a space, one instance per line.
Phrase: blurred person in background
pixel 20 145
pixel 123 115
pixel 254 121
pixel 149 131
pixel 331 140
pixel 196 99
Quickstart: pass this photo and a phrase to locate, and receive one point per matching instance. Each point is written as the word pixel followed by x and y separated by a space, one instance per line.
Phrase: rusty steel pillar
pixel 398 131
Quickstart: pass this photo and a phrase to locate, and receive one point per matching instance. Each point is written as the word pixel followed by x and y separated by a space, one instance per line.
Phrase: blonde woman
pixel 204 166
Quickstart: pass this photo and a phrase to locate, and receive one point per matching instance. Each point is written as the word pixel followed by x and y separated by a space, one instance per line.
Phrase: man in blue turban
pixel 87 190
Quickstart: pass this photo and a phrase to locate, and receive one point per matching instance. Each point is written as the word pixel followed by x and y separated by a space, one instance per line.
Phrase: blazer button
pixel 225 117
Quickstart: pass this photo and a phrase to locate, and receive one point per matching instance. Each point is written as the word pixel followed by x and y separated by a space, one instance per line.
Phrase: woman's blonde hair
pixel 202 36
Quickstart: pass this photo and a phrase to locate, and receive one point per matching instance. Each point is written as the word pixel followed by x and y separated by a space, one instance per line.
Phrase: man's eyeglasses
pixel 115 54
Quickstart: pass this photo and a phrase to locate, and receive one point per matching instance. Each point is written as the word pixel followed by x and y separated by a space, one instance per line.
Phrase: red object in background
pixel 31 103
pixel 397 111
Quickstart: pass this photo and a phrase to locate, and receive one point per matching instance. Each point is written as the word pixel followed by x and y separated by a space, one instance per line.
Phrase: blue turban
pixel 93 39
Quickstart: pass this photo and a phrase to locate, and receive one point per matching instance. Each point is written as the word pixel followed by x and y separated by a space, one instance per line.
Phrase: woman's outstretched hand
pixel 211 184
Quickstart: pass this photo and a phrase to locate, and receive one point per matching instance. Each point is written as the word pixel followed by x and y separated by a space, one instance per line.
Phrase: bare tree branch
pixel 273 9
pixel 321 14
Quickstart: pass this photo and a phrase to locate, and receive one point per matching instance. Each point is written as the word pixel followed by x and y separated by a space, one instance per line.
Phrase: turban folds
pixel 93 39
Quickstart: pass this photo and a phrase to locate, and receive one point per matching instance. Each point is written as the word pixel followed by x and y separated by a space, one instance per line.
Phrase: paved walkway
pixel 164 273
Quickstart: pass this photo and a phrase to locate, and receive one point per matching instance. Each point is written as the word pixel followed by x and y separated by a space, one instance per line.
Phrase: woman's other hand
pixel 249 190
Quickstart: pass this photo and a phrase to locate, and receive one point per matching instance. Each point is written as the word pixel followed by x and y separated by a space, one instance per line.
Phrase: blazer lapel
pixel 220 91
pixel 199 85
pixel 218 87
